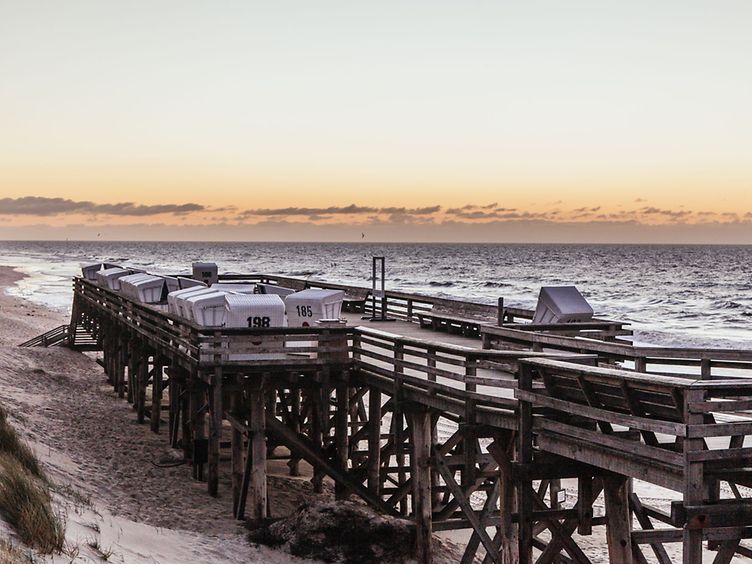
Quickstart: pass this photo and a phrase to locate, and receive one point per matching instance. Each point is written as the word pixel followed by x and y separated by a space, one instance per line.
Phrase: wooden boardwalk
pixel 415 419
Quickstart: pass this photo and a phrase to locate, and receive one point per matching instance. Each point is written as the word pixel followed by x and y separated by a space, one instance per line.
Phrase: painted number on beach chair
pixel 259 321
pixel 304 311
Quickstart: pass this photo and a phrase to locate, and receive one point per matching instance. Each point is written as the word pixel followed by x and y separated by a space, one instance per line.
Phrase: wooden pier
pixel 457 416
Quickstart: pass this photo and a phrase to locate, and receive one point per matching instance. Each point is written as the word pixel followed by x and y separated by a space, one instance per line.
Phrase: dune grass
pixel 12 444
pixel 25 494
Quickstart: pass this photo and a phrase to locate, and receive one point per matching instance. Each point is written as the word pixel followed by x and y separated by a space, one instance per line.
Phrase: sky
pixel 497 121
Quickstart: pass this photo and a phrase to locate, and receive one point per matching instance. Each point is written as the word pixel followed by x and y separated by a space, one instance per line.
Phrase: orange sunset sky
pixel 380 121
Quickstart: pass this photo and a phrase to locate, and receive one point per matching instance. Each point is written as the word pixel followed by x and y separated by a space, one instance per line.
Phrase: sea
pixel 673 295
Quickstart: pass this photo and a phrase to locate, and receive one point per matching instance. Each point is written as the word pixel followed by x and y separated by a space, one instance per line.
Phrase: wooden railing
pixel 400 305
pixel 654 427
pixel 706 363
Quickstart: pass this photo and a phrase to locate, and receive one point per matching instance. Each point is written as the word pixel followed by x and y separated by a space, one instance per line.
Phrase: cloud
pixel 674 214
pixel 41 206
pixel 352 209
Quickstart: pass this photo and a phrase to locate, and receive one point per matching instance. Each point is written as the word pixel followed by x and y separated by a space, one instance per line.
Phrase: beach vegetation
pixel 26 505
pixel 12 554
pixel 25 500
pixel 17 449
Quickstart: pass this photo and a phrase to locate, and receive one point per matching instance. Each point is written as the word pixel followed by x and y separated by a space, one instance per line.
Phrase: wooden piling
pixel 421 479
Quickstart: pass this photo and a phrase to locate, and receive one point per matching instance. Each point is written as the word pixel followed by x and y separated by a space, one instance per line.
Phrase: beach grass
pixel 11 444
pixel 25 500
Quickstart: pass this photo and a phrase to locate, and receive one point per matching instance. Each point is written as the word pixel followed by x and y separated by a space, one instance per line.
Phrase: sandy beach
pixel 103 464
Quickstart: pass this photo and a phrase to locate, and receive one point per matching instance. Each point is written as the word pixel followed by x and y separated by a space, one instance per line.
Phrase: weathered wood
pixel 257 452
pixel 619 522
pixel 156 396
pixel 525 456
pixel 237 408
pixel 509 550
pixel 693 479
pixel 420 424
pixel 374 441
pixel 341 432
pixel 215 431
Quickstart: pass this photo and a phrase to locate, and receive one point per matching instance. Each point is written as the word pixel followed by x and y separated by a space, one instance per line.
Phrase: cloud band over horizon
pixel 471 222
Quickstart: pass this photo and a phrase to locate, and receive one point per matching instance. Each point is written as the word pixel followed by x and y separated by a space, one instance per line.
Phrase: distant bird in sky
pixel 362 235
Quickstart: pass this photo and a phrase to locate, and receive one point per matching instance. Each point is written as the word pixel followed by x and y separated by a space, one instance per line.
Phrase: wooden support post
pixel 641 364
pixel 197 424
pixel 341 431
pixel 319 399
pixel 525 455
pixel 133 357
pixel 156 395
pixel 509 549
pixel 122 366
pixel 705 369
pixel 398 432
pixel 215 430
pixel 553 493
pixel 240 415
pixel 585 505
pixel 436 494
pixel 693 477
pixel 294 463
pixel 172 402
pixel 142 376
pixel 500 312
pixel 618 519
pixel 374 441
pixel 421 480
pixel 257 450
pixel 471 369
pixel 186 420
pixel 469 441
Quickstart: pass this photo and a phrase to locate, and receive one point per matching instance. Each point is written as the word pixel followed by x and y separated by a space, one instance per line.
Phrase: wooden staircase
pixel 80 339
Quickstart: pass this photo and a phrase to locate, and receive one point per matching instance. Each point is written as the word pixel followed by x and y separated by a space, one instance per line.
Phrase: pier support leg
pixel 239 414
pixel 618 519
pixel 133 356
pixel 501 450
pixel 421 479
pixel 122 365
pixel 294 463
pixel 156 396
pixel 197 429
pixel 525 456
pixel 341 432
pixel 319 415
pixel 215 430
pixel 257 449
pixel 374 441
pixel 142 376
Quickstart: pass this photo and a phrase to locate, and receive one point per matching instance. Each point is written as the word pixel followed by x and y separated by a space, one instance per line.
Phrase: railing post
pixel 693 476
pixel 641 364
pixel 399 355
pixel 525 456
pixel 471 370
pixel 500 313
pixel 705 368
